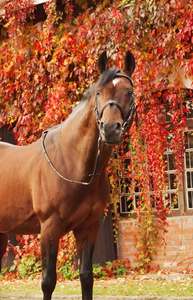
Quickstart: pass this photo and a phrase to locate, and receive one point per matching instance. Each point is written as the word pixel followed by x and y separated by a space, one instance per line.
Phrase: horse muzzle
pixel 110 134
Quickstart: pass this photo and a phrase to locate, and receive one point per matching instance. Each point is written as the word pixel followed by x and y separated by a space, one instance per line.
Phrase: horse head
pixel 114 99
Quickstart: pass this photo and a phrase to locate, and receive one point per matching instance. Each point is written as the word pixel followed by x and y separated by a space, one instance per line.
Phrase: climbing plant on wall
pixel 46 68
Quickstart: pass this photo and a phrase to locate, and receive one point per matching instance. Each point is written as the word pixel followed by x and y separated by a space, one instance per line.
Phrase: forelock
pixel 107 76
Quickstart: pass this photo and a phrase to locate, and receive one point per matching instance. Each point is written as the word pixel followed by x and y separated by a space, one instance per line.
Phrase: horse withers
pixel 59 183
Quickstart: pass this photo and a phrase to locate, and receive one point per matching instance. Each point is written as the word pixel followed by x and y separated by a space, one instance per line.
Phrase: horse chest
pixel 80 206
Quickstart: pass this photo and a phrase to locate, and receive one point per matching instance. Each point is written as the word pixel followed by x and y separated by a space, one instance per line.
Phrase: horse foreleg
pixel 3 245
pixel 85 246
pixel 86 274
pixel 49 251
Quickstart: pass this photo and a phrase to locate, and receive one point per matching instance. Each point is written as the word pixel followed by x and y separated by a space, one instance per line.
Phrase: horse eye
pixel 129 93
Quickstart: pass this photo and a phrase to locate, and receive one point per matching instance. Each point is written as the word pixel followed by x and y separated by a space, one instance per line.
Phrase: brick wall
pixel 177 255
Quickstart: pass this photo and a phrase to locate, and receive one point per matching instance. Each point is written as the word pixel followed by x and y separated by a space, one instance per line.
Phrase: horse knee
pixel 86 280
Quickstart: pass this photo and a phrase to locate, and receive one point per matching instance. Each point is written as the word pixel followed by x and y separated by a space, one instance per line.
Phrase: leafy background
pixel 46 68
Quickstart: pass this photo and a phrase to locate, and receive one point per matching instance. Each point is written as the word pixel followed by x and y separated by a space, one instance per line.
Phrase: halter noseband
pixel 126 117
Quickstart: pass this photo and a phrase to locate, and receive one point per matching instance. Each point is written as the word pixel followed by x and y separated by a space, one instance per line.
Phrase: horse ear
pixel 129 63
pixel 102 62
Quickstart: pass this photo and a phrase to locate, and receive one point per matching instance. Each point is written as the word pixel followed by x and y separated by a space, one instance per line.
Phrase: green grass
pixel 134 286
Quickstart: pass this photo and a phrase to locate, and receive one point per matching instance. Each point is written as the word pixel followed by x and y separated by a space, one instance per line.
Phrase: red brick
pixel 159 253
pixel 188 226
pixel 174 236
pixel 173 221
pixel 182 248
pixel 184 264
pixel 182 231
pixel 179 242
pixel 179 258
pixel 187 253
pixel 182 241
pixel 171 242
pixel 188 237
pixel 190 248
pixel 172 253
pixel 173 226
pixel 172 248
pixel 169 259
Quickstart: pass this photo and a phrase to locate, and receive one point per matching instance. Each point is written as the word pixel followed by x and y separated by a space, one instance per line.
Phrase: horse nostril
pixel 118 128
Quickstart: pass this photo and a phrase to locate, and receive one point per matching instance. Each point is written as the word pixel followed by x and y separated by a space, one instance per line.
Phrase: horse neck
pixel 80 135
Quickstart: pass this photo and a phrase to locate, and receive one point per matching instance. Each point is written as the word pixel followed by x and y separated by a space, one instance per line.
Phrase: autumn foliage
pixel 46 68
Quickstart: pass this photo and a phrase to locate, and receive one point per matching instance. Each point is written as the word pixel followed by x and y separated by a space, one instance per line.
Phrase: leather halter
pixel 126 117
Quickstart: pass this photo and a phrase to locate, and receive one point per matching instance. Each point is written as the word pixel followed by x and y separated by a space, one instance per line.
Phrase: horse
pixel 59 183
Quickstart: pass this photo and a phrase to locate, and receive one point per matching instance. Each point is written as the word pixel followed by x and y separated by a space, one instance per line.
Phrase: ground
pixel 133 286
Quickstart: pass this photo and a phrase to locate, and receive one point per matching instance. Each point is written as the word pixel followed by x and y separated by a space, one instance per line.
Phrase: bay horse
pixel 59 183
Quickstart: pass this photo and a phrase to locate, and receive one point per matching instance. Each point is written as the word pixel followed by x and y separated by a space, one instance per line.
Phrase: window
pixel 167 114
pixel 129 201
pixel 171 198
pixel 189 105
pixel 189 170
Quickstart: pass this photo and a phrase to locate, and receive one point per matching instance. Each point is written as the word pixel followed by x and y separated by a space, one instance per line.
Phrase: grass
pixel 130 285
